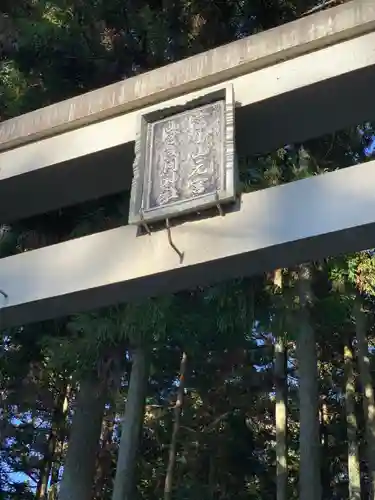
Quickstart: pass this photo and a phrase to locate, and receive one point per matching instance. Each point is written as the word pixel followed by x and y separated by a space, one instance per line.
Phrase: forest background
pixel 256 389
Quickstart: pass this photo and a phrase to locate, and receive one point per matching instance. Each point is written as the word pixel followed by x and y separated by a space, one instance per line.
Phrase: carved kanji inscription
pixel 186 156
pixel 184 159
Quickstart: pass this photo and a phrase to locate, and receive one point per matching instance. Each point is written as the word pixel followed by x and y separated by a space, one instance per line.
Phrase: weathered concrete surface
pixel 291 101
pixel 281 226
pixel 243 56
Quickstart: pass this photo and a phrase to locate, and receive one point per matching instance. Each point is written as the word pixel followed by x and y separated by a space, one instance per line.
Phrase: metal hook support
pixel 180 254
pixel 221 211
pixel 143 222
pixel 5 295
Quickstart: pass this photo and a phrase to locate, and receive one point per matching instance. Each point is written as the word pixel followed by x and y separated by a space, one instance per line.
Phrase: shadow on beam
pixel 310 219
pixel 204 274
pixel 67 184
pixel 306 113
pixel 296 116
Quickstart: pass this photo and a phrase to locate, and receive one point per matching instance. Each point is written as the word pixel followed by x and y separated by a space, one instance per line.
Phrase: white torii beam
pixel 308 219
pixel 300 80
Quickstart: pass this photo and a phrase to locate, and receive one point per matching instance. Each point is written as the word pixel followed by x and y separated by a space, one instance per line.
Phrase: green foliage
pixel 54 49
pixel 13 87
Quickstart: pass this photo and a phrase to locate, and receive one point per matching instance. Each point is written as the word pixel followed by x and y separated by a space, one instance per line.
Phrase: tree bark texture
pixel 309 475
pixel 367 388
pixel 281 419
pixel 131 428
pixel 79 469
pixel 168 486
pixel 354 481
pixel 50 458
pixel 281 390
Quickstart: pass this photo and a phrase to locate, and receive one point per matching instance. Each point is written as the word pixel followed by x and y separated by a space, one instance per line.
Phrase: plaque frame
pixel 142 164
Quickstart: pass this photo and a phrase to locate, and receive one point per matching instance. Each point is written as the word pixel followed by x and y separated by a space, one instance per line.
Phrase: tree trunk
pixel 61 435
pixel 281 390
pixel 168 486
pixel 131 428
pixel 57 423
pixel 281 419
pixel 367 389
pixel 104 459
pixel 211 477
pixel 325 462
pixel 55 473
pixel 309 477
pixel 45 471
pixel 79 469
pixel 351 424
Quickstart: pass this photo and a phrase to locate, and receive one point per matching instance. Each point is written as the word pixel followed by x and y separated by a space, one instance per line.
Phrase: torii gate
pixel 291 83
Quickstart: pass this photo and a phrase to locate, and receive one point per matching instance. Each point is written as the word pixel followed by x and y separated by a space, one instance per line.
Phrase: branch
pixel 322 6
pixel 17 468
pixel 188 429
pixel 216 421
pixel 210 426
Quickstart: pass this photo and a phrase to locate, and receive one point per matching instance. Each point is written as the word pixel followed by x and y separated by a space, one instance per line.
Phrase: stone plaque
pixel 184 160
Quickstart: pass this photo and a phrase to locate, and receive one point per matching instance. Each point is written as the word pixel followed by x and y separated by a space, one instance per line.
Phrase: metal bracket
pixel 167 225
pixel 5 295
pixel 143 222
pixel 219 207
pixel 179 253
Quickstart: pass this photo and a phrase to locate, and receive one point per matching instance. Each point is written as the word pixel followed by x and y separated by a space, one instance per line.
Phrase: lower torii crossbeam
pixel 309 219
